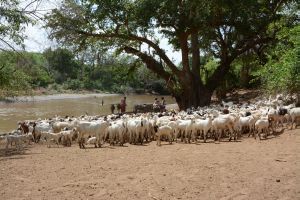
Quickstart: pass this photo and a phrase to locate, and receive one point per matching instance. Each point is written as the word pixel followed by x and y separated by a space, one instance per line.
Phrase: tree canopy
pixel 282 69
pixel 15 15
pixel 224 29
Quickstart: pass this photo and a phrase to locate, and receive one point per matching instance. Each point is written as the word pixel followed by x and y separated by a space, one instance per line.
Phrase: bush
pixel 88 84
pixel 281 73
pixel 73 84
pixel 158 87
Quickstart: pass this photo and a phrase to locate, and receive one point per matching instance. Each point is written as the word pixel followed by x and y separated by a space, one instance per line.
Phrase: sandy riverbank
pixel 57 97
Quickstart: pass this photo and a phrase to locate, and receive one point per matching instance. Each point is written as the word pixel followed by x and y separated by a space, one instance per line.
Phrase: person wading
pixel 112 108
pixel 123 105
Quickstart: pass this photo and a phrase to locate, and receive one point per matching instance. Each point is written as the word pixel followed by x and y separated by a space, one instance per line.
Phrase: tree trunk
pixel 193 97
pixel 192 92
pixel 245 76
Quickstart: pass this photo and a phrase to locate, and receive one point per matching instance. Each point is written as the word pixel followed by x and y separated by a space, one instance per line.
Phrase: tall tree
pixel 225 28
pixel 63 63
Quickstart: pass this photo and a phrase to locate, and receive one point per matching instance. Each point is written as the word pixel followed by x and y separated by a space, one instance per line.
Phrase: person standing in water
pixel 112 108
pixel 123 105
pixel 163 101
pixel 163 104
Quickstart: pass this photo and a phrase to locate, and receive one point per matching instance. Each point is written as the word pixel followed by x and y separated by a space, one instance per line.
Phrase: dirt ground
pixel 248 169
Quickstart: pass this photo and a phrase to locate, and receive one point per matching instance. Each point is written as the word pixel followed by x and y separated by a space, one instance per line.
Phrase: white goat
pixel 17 139
pixel 92 140
pixel 166 131
pixel 116 133
pixel 222 123
pixel 295 116
pixel 58 126
pixel 202 125
pixel 51 137
pixel 40 127
pixel 262 126
pixel 95 128
pixel 68 136
pixel 184 128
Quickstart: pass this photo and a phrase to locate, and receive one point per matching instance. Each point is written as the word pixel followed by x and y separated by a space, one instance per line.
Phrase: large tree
pixel 62 64
pixel 225 29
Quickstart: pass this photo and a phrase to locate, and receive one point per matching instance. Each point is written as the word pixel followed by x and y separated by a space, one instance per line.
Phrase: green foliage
pixel 13 82
pixel 34 65
pixel 55 69
pixel 15 15
pixel 73 84
pixel 209 66
pixel 31 64
pixel 12 24
pixel 62 64
pixel 122 75
pixel 281 73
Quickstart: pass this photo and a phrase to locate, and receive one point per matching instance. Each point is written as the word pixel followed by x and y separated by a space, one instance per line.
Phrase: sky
pixel 37 36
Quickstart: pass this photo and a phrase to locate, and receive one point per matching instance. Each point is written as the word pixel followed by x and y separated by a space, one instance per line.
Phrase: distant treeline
pixel 60 69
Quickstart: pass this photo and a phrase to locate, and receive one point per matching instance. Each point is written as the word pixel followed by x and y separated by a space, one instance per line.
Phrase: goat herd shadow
pixel 13 153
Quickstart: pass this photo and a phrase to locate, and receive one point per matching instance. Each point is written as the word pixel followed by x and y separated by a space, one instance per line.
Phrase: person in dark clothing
pixel 123 105
pixel 163 101
pixel 163 104
pixel 119 108
pixel 156 105
pixel 112 108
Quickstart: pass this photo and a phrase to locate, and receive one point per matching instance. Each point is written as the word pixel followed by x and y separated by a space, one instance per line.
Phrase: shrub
pixel 73 84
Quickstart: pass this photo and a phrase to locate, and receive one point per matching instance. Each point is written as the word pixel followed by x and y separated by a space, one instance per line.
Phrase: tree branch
pixel 226 61
pixel 30 3
pixel 242 48
pixel 10 46
pixel 219 35
pixel 131 37
pixel 2 67
pixel 153 65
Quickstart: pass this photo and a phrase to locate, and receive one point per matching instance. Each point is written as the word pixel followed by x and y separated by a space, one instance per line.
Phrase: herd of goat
pixel 215 123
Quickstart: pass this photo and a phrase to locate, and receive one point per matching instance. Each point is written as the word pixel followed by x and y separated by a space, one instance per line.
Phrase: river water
pixel 71 105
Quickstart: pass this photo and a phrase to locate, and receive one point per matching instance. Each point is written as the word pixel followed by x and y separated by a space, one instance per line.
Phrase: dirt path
pixel 249 169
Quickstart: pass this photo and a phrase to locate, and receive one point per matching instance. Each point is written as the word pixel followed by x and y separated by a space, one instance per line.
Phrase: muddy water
pixel 71 105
